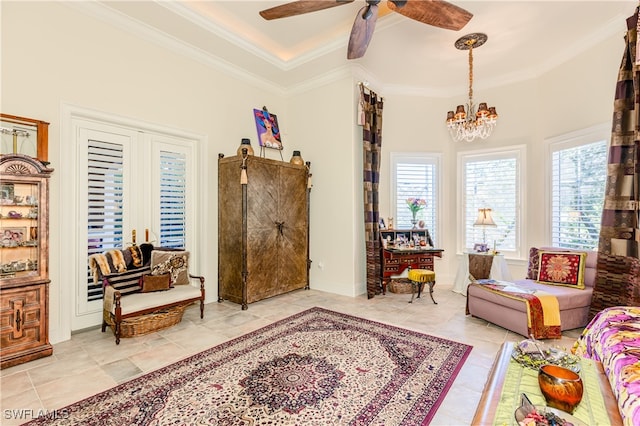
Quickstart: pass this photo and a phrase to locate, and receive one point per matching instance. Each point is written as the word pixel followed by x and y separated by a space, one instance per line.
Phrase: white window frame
pixel 573 139
pixel 515 151
pixel 434 159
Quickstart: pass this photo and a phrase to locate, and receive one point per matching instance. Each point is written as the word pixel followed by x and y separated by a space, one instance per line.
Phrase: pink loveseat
pixel 509 313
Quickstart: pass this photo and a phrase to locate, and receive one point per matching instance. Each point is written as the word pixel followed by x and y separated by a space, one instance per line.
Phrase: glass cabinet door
pixel 19 223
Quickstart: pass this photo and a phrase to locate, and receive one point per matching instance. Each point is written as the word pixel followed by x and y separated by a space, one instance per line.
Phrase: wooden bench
pixel 126 308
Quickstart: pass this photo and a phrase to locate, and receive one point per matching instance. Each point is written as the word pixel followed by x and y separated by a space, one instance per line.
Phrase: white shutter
pixel 492 179
pixel 415 176
pixel 173 170
pixel 577 194
pixel 105 199
pixel 101 217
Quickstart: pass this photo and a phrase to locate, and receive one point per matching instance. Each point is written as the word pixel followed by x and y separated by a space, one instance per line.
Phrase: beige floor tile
pixel 62 392
pixel 91 361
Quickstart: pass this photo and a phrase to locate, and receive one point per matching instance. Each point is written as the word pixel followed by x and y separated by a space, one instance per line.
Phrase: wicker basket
pixel 144 324
pixel 400 286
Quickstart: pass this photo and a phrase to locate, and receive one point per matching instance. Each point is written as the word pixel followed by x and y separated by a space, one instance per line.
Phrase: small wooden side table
pixel 486 411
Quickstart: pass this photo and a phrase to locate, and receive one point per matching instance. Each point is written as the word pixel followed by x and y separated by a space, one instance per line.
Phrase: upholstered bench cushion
pixel 421 275
pixel 136 302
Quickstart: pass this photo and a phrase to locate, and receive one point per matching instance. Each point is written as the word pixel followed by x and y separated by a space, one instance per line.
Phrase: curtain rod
pixel 365 85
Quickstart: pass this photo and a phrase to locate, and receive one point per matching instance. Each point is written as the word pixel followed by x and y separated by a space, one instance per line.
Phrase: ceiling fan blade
pixel 300 7
pixel 438 13
pixel 362 31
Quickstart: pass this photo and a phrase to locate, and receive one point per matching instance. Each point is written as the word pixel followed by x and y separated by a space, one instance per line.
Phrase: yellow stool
pixel 418 277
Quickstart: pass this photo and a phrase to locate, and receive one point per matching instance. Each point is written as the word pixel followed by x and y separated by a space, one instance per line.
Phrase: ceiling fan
pixel 438 13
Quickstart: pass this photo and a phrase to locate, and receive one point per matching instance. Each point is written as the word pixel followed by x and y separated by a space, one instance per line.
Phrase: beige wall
pixel 64 56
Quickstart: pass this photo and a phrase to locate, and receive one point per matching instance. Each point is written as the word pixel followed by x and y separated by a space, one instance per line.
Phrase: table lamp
pixel 484 220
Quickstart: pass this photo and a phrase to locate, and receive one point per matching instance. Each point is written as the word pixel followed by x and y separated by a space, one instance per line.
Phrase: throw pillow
pixel 562 268
pixel 128 281
pixel 534 264
pixel 175 263
pixel 151 283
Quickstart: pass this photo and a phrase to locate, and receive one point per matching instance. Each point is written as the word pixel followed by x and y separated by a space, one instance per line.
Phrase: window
pixel 172 199
pixel 105 195
pixel 120 176
pixel 491 179
pixel 415 176
pixel 578 177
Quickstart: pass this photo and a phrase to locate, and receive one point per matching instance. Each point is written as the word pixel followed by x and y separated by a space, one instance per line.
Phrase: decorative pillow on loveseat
pixel 150 283
pixel 175 263
pixel 562 268
pixel 534 264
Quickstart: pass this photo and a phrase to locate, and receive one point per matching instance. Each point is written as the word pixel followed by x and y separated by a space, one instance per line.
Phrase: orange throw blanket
pixel 539 325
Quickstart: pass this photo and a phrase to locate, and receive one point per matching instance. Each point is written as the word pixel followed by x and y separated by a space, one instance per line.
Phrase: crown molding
pixel 153 35
pixel 146 32
pixel 217 27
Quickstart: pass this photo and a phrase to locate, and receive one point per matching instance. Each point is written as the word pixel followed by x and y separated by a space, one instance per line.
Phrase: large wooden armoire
pixel 24 259
pixel 263 228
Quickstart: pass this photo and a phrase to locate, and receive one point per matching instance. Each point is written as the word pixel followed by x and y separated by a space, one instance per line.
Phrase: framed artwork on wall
pixel 268 129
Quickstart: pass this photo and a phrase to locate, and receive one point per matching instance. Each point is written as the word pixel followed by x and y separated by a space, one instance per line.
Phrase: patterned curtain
pixel 617 279
pixel 371 119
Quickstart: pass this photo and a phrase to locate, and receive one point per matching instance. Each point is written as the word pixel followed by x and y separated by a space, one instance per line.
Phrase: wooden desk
pixel 396 260
pixel 486 411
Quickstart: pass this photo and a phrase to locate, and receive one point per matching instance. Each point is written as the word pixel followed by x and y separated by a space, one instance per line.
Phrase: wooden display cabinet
pixel 24 257
pixel 27 136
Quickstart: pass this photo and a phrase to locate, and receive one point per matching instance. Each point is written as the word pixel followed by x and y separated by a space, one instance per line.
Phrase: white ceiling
pixel 525 38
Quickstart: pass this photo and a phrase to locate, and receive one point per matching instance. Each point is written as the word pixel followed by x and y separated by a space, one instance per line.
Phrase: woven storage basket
pixel 144 324
pixel 401 286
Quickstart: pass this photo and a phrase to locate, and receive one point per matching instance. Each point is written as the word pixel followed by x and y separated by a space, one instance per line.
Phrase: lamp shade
pixel 484 218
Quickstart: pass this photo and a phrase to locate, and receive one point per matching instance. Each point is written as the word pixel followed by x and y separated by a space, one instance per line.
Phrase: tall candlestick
pixel 133 236
pixel 146 235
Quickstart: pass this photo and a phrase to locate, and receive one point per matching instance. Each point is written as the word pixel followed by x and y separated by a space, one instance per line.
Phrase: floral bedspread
pixel 613 338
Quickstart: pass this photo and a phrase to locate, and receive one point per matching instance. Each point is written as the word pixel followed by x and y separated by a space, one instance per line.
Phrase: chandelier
pixel 465 126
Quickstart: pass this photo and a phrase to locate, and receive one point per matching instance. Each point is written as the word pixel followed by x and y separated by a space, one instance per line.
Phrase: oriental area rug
pixel 317 367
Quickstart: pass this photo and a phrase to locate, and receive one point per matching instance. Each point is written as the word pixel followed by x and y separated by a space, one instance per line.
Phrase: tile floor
pixel 91 362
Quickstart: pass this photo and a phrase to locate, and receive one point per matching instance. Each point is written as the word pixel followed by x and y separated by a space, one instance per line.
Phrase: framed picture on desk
pixel 418 236
pixel 480 248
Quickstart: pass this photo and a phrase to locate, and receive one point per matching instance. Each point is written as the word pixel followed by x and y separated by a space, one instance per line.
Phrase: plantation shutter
pixel 105 195
pixel 416 179
pixel 578 183
pixel 173 169
pixel 492 181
